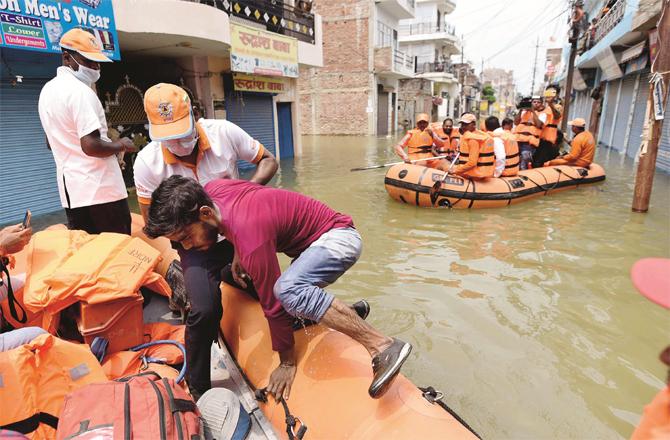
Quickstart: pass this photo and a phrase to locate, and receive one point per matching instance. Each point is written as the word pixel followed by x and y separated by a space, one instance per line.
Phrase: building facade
pixel 208 47
pixel 611 79
pixel 504 86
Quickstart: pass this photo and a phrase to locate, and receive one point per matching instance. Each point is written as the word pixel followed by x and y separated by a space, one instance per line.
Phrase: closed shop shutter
pixel 640 107
pixel 623 113
pixel 663 158
pixel 254 113
pixel 608 111
pixel 28 177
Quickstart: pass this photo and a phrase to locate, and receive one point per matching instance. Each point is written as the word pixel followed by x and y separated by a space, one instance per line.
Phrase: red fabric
pixel 262 221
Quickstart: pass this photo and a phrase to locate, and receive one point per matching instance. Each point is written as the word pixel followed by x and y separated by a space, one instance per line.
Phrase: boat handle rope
pixel 182 373
pixel 434 396
pixel 291 421
pixel 11 299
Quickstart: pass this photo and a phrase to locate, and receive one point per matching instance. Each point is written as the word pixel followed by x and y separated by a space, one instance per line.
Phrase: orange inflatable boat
pixel 329 394
pixel 411 184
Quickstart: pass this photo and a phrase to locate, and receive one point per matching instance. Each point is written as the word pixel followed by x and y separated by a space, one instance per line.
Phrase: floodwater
pixel 524 316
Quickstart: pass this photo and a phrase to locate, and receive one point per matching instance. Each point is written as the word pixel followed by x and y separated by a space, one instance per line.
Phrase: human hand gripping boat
pixel 411 184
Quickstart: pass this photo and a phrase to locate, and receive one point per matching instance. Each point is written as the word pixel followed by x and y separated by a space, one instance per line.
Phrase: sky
pixel 504 33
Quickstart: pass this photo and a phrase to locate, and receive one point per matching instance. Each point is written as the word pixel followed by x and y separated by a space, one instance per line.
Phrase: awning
pixel 633 52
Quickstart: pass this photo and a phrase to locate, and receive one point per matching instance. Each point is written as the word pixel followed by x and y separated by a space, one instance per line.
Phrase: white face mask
pixel 85 74
pixel 183 146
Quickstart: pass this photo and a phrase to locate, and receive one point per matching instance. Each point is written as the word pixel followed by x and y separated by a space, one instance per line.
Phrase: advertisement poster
pixel 38 24
pixel 262 53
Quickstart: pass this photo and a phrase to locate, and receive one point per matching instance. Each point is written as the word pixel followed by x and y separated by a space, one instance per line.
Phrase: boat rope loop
pixel 434 396
pixel 291 421
pixel 147 359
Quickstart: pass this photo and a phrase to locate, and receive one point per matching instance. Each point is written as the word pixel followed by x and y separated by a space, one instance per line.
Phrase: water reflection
pixel 524 316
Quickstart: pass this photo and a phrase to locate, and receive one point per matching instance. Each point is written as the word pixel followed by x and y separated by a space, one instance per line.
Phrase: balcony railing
pixel 426 27
pixel 608 22
pixel 275 15
pixel 402 62
pixel 435 67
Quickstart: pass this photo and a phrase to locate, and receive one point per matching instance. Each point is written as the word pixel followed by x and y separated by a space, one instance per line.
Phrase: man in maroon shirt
pixel 260 222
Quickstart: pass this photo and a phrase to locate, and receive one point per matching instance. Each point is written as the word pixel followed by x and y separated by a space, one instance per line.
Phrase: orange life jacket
pixel 550 128
pixel 526 131
pixel 439 131
pixel 65 267
pixel 486 161
pixel 419 142
pixel 37 376
pixel 455 139
pixel 511 153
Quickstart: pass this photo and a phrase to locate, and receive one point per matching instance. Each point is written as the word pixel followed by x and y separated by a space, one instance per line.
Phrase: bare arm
pixel 400 148
pixel 536 120
pixel 265 168
pixel 144 210
pixel 93 145
pixel 555 111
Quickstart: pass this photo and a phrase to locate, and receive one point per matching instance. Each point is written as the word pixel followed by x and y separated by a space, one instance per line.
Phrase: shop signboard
pixel 37 25
pixel 259 52
pixel 256 83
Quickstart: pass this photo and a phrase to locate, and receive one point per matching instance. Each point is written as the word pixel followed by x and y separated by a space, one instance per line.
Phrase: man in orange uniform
pixel 548 148
pixel 582 149
pixel 651 277
pixel 507 124
pixel 529 123
pixel 442 137
pixel 419 141
pixel 477 159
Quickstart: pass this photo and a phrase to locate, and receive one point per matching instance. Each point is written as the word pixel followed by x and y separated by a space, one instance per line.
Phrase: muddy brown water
pixel 524 316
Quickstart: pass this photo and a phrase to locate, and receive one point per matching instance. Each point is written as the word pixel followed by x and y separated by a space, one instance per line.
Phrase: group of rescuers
pixel 223 228
pixel 531 140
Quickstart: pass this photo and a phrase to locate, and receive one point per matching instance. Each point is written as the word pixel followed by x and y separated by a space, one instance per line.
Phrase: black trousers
pixel 202 276
pixel 544 152
pixel 105 217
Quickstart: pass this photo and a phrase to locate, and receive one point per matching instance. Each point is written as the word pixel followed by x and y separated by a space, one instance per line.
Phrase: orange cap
pixel 467 118
pixel 169 110
pixel 578 122
pixel 84 43
pixel 422 117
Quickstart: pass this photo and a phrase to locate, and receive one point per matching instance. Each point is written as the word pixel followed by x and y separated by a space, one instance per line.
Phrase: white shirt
pixel 499 151
pixel 69 110
pixel 221 145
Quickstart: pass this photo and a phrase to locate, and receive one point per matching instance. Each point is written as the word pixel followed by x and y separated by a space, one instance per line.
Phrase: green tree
pixel 489 94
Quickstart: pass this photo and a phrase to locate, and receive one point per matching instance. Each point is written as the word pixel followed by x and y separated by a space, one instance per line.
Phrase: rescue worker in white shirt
pixel 89 179
pixel 204 150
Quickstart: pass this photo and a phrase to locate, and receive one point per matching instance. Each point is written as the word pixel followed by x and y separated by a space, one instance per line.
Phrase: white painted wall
pixel 312 54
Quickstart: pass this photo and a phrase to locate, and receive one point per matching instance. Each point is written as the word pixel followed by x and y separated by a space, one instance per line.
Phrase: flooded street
pixel 525 317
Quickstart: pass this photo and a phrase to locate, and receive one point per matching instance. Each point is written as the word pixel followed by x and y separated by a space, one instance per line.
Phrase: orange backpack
pixel 141 407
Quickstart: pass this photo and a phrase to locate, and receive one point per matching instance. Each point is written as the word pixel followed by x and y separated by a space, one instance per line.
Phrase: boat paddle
pixel 435 189
pixel 373 167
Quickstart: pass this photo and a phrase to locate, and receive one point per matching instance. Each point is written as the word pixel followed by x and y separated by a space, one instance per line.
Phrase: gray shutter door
pixel 608 111
pixel 623 113
pixel 254 113
pixel 640 107
pixel 663 158
pixel 28 177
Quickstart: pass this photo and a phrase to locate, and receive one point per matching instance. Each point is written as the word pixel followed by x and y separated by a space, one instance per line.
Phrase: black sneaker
pixel 386 365
pixel 362 308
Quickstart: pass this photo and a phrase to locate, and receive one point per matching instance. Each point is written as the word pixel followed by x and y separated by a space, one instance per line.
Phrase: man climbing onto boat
pixel 582 147
pixel 204 150
pixel 260 222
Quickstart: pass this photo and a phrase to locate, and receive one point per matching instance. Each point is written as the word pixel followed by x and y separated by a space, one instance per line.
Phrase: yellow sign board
pixel 252 83
pixel 484 106
pixel 262 53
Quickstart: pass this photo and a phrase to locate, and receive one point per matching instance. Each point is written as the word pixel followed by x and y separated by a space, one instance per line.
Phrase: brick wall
pixel 334 98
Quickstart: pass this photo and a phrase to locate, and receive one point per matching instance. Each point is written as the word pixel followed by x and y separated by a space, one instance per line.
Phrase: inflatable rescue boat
pixel 411 184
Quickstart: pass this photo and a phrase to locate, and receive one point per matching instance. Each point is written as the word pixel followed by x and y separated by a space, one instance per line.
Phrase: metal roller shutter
pixel 623 113
pixel 28 178
pixel 254 113
pixel 608 111
pixel 634 138
pixel 663 158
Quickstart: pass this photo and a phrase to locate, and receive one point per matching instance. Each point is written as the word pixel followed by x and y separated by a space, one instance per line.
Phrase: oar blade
pixel 374 167
pixel 435 191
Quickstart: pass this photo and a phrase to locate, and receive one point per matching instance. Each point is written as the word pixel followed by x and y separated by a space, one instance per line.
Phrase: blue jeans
pixel 526 151
pixel 300 287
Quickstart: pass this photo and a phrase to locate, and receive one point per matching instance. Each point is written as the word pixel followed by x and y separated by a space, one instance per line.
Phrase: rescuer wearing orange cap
pixel 90 183
pixel 418 141
pixel 582 147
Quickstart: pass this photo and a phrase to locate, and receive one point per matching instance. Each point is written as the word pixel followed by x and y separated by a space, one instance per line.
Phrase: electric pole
pixel 653 131
pixel 532 86
pixel 461 75
pixel 574 36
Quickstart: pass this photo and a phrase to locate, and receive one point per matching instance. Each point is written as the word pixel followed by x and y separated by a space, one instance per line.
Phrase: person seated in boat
pixel 260 222
pixel 505 148
pixel 507 124
pixel 582 147
pixel 448 137
pixel 418 141
pixel 492 125
pixel 205 150
pixel 476 158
